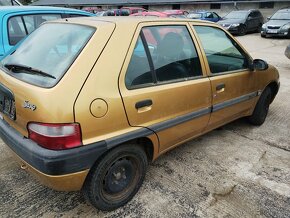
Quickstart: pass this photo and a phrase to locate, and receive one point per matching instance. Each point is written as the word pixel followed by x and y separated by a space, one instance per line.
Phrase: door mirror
pixel 268 18
pixel 259 64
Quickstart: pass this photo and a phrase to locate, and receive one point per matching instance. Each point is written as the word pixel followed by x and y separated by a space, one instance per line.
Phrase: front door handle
pixel 220 88
pixel 144 103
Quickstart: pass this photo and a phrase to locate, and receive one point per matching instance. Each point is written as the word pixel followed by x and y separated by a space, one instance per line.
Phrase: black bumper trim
pixel 51 162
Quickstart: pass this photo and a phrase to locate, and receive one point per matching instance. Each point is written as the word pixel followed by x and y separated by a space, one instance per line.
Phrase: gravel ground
pixel 235 171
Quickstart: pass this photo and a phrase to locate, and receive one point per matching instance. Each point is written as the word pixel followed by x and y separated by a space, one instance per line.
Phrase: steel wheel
pixel 116 178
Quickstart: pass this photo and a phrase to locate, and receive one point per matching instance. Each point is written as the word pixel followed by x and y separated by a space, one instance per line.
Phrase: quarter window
pixel 138 72
pixel 223 53
pixel 168 54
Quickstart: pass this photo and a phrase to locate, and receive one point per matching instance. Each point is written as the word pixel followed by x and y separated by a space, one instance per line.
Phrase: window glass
pixel 138 72
pixel 34 21
pixel 223 54
pixel 77 15
pixel 50 53
pixel 214 15
pixel 16 30
pixel 173 53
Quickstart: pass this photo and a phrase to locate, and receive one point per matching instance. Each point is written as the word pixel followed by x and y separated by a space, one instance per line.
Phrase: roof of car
pixel 124 20
pixel 11 9
pixel 285 10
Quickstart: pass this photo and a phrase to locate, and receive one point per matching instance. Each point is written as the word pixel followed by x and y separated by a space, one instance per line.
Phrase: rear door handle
pixel 144 103
pixel 220 87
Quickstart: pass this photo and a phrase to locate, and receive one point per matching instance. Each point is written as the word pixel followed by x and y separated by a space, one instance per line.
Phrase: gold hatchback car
pixel 87 103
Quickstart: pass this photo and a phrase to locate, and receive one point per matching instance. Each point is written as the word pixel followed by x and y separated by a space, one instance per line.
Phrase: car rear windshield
pixel 45 56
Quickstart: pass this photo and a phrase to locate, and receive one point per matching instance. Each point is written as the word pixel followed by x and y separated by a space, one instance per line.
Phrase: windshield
pixel 194 15
pixel 236 15
pixel 48 53
pixel 8 2
pixel 281 16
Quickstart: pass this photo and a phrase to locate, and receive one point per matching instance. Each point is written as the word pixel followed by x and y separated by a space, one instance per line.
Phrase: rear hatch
pixel 40 81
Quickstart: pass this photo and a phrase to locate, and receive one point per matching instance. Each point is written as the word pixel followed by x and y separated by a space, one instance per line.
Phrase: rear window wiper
pixel 12 67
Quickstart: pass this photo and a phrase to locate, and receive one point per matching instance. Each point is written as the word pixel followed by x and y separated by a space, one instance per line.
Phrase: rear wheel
pixel 116 178
pixel 258 30
pixel 262 107
pixel 242 30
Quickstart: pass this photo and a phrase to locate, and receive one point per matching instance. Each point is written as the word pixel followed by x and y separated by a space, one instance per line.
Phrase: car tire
pixel 242 30
pixel 115 179
pixel 263 35
pixel 262 107
pixel 258 30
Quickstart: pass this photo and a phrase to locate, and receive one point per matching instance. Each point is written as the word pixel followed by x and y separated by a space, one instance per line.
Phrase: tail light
pixel 55 136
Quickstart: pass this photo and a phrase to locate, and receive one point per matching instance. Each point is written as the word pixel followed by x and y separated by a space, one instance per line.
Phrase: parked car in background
pixel 150 14
pixel 19 21
pixel 133 10
pixel 204 15
pixel 278 24
pixel 92 9
pixel 9 3
pixel 176 13
pixel 114 12
pixel 77 121
pixel 242 22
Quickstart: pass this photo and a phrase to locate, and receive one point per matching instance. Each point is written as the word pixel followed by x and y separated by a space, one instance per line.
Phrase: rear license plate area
pixel 7 106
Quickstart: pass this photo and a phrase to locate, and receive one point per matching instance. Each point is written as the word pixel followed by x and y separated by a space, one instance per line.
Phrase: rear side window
pixel 138 72
pixel 223 54
pixel 168 53
pixel 52 54
pixel 21 26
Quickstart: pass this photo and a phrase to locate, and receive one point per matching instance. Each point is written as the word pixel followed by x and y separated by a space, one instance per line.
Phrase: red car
pixel 151 14
pixel 133 10
pixel 176 13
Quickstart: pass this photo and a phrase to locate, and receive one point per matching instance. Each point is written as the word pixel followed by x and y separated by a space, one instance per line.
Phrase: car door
pixel 163 84
pixel 251 21
pixel 232 81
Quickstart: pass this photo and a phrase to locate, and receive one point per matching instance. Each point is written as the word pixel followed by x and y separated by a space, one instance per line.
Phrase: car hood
pixel 277 22
pixel 231 21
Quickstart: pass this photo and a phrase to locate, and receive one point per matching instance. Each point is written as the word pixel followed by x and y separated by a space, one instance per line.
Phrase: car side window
pixel 138 72
pixel 174 55
pixel 214 15
pixel 163 54
pixel 16 30
pixel 223 53
pixel 20 26
pixel 77 15
pixel 209 15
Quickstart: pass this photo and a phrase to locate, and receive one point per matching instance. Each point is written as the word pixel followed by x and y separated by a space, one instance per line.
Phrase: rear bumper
pixel 51 166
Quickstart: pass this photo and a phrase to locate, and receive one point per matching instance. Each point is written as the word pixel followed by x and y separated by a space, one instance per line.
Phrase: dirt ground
pixel 235 171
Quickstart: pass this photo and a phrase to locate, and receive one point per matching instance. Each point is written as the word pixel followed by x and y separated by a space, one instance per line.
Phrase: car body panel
pixel 167 95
